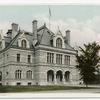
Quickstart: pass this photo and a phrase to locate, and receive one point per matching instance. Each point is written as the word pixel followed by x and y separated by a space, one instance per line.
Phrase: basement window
pixel 29 84
pixel 18 84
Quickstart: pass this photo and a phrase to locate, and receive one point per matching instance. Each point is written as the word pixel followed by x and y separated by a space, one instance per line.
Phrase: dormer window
pixel 59 43
pixel 24 44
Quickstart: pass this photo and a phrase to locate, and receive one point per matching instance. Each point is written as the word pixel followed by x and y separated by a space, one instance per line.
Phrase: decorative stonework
pixel 42 72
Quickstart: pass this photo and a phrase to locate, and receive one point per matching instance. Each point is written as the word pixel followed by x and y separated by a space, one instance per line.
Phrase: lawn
pixel 5 89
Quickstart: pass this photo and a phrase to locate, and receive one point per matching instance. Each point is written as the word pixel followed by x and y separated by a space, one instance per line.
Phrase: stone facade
pixel 37 57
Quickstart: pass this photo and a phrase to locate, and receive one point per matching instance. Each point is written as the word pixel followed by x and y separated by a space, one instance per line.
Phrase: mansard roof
pixel 45 27
pixel 43 34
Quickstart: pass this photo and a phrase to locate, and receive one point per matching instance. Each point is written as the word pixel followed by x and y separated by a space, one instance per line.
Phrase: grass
pixel 6 89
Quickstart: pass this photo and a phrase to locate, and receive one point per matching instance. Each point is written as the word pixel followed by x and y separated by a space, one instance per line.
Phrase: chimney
pixel 2 39
pixel 68 37
pixel 34 28
pixel 14 29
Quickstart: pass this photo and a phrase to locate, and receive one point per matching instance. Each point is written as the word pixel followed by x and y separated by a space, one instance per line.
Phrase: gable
pixel 44 35
pixel 16 41
pixel 46 38
pixel 24 36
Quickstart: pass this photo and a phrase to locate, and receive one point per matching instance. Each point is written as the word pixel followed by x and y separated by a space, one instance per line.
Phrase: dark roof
pixel 10 41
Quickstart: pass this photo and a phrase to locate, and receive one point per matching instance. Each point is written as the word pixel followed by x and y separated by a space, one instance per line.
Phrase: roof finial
pixel 58 31
pixel 19 29
pixel 44 24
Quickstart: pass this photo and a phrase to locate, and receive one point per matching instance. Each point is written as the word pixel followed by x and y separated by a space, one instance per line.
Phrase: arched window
pixel 50 76
pixel 23 43
pixel 59 43
pixel 67 76
pixel 0 76
pixel 18 74
pixel 0 45
pixel 29 74
pixel 59 76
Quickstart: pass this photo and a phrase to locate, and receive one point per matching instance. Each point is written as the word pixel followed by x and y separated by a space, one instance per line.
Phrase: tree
pixel 87 62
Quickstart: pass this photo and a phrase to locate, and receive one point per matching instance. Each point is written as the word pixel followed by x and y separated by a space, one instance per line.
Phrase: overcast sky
pixel 83 21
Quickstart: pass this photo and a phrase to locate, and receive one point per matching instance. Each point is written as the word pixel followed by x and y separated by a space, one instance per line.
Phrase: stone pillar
pixel 71 79
pixel 54 58
pixel 55 80
pixel 62 59
pixel 63 79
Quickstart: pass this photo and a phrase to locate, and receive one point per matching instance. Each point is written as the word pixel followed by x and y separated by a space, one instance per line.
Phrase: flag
pixel 49 12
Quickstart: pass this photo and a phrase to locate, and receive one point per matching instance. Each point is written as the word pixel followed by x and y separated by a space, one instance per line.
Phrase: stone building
pixel 39 57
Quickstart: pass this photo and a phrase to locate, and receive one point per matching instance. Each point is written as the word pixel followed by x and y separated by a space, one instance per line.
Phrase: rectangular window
pixel 18 84
pixel 50 57
pixel 51 42
pixel 29 84
pixel 59 58
pixel 18 57
pixel 29 59
pixel 67 60
pixel 0 84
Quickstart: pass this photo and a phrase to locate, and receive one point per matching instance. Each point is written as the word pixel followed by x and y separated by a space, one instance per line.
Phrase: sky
pixel 82 20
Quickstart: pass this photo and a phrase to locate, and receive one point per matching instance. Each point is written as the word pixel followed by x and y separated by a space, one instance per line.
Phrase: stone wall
pixel 38 66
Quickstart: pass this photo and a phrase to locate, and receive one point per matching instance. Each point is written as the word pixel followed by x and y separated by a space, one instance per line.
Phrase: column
pixel 62 59
pixel 55 80
pixel 54 58
pixel 63 79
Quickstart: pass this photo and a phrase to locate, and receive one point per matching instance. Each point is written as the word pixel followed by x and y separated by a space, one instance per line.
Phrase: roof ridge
pixel 42 36
pixel 44 26
pixel 12 41
pixel 40 28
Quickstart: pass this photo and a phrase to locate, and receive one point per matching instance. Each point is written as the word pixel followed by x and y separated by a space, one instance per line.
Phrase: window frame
pixel 29 58
pixel 29 74
pixel 67 59
pixel 18 74
pixel 59 58
pixel 59 42
pixel 24 43
pixel 50 57
pixel 18 57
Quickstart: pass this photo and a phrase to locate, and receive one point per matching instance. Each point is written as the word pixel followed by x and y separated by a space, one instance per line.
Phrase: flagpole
pixel 49 18
pixel 49 21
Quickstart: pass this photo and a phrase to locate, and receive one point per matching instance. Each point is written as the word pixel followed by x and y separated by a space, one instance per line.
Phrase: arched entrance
pixel 0 76
pixel 67 76
pixel 50 76
pixel 59 76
